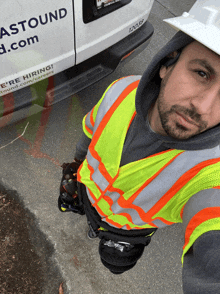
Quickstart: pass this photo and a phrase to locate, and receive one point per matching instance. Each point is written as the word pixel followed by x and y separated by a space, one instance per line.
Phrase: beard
pixel 174 128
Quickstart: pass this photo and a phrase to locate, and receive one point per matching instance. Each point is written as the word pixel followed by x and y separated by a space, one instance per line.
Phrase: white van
pixel 52 49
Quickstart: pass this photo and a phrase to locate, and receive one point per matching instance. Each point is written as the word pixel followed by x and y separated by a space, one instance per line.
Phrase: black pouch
pixel 119 249
pixel 68 199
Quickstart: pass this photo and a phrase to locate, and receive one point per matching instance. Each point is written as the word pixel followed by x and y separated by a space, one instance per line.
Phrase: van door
pixel 102 23
pixel 36 41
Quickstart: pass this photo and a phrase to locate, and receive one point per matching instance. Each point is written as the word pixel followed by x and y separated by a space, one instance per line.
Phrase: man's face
pixel 189 99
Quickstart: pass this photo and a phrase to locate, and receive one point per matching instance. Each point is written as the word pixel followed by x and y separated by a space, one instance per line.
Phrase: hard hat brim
pixel 208 35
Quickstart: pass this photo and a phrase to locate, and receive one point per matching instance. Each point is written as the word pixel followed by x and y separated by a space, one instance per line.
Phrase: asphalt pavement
pixel 31 154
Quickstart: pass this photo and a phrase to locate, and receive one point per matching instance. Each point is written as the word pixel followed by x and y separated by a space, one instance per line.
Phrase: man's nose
pixel 206 100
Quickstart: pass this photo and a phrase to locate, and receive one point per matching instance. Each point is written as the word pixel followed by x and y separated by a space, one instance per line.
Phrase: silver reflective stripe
pixel 158 223
pixel 116 208
pixel 89 196
pixel 113 195
pixel 97 177
pixel 111 96
pixel 167 178
pixel 100 180
pixel 201 200
pixel 88 122
pixel 94 163
pixel 124 228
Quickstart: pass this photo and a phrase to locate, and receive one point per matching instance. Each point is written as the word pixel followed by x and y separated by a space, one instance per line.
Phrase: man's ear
pixel 163 71
pixel 172 55
pixel 171 58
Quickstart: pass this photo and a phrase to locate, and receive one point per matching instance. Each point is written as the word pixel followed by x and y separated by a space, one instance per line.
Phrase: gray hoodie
pixel 141 141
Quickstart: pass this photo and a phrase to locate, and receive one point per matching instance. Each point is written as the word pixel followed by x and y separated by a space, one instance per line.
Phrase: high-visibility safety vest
pixel 151 192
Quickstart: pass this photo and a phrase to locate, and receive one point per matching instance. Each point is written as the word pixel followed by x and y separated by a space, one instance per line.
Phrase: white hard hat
pixel 202 23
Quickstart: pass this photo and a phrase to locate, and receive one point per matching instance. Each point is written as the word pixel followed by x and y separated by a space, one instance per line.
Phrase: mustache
pixel 192 113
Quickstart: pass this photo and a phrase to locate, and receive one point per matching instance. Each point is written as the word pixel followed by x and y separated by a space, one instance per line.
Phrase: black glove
pixel 68 199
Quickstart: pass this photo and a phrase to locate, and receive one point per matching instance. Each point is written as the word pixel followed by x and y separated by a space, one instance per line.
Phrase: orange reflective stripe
pixel 91 169
pixel 101 167
pixel 104 171
pixel 78 173
pixel 110 112
pixel 95 204
pixel 107 198
pixel 92 111
pixel 163 152
pixel 100 211
pixel 115 177
pixel 133 116
pixel 114 224
pixel 143 215
pixel 181 212
pixel 102 125
pixel 183 180
pixel 127 216
pixel 131 199
pixel 87 128
pixel 202 216
pixel 164 221
pixel 79 180
pixel 92 118
pixel 217 187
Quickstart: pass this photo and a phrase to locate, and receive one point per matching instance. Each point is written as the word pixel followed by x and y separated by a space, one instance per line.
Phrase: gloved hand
pixel 68 199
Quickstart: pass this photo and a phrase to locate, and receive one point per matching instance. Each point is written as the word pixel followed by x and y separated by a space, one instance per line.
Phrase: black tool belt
pixel 119 249
pixel 132 236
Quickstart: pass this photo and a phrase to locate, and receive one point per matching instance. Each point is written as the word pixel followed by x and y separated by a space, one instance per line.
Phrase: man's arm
pixel 82 147
pixel 201 267
pixel 201 263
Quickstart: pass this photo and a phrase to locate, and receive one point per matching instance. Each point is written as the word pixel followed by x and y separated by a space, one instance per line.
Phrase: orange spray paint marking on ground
pixel 36 146
pixel 8 102
pixel 76 261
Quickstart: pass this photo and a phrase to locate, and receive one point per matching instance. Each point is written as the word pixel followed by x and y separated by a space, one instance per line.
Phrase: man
pixel 151 158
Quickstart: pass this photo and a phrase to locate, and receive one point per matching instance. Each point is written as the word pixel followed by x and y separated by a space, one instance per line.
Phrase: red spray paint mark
pixel 8 101
pixel 36 146
pixel 76 261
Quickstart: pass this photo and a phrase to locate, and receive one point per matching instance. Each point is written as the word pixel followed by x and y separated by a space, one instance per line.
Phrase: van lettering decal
pixel 21 44
pixel 46 19
pixel 16 30
pixel 32 23
pixel 60 12
pixel 136 26
pixel 27 79
pixel 22 24
pixel 3 32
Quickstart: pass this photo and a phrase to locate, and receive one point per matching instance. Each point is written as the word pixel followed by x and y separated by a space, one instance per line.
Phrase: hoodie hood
pixel 148 91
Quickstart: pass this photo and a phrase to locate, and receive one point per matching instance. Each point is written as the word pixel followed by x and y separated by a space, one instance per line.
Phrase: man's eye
pixel 202 74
